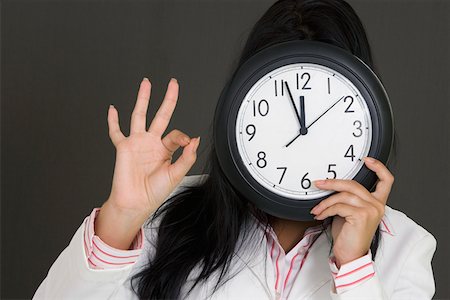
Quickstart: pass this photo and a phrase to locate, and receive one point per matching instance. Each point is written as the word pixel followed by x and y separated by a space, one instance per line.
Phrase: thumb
pixel 185 162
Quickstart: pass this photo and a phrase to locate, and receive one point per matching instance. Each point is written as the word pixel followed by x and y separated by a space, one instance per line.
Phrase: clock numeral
pixel 329 90
pixel 348 110
pixel 358 125
pixel 276 87
pixel 261 162
pixel 349 153
pixel 251 130
pixel 306 183
pixel 332 171
pixel 282 174
pixel 262 108
pixel 308 77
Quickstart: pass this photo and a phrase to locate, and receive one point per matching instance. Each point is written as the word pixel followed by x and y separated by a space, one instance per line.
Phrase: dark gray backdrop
pixel 64 62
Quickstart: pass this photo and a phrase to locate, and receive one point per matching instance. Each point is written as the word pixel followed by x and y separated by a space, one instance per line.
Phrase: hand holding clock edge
pixel 357 212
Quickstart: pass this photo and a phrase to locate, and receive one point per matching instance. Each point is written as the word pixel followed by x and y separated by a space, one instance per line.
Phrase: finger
pixel 386 179
pixel 344 185
pixel 342 197
pixel 179 169
pixel 113 125
pixel 340 209
pixel 164 113
pixel 139 114
pixel 174 139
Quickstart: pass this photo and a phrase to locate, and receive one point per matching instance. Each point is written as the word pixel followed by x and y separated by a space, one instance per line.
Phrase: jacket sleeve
pixel 415 281
pixel 71 277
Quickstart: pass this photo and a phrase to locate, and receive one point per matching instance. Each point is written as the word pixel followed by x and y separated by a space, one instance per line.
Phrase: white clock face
pixel 299 123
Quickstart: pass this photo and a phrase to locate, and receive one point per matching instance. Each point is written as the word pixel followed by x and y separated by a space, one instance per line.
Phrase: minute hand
pixel 300 121
pixel 325 112
pixel 334 104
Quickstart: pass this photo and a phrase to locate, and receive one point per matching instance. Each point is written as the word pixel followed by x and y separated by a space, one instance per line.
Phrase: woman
pixel 204 240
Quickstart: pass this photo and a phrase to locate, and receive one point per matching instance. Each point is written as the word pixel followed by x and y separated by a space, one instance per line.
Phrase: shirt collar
pixel 386 225
pixel 310 231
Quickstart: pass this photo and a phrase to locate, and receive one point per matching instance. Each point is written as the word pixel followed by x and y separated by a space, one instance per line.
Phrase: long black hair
pixel 201 226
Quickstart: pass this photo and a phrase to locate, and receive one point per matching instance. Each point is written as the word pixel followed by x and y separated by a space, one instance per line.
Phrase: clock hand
pixel 325 112
pixel 303 128
pixel 315 120
pixel 295 108
pixel 287 145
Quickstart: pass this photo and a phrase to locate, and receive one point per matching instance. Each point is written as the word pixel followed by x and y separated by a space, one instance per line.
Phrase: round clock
pixel 296 112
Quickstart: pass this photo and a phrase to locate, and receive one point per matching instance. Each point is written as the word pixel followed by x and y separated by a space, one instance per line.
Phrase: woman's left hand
pixel 357 212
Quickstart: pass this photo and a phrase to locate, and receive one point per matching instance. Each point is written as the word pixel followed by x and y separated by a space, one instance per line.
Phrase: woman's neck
pixel 290 232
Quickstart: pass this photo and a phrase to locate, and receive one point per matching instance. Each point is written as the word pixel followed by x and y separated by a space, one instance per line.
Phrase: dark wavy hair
pixel 201 226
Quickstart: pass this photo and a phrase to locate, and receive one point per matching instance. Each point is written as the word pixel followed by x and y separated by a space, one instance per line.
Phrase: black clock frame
pixel 256 67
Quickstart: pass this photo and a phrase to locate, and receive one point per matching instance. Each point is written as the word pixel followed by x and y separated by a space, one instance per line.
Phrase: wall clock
pixel 295 112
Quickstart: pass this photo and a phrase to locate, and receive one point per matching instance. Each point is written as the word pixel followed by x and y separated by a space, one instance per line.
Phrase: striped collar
pixel 310 232
pixel 386 225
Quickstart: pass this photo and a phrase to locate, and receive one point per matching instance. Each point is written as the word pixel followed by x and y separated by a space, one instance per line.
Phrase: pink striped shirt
pixel 286 265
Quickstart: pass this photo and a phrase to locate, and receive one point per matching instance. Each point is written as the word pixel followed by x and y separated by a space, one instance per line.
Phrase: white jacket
pixel 402 270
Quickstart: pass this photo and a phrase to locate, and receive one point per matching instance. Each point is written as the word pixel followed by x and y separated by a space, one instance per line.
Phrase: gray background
pixel 63 63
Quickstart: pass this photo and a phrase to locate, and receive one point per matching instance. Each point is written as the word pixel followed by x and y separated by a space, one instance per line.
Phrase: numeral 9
pixel 251 130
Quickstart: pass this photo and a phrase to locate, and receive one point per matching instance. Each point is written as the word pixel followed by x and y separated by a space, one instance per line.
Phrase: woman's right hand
pixel 144 175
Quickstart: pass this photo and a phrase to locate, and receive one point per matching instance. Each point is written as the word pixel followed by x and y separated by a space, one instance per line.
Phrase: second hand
pixel 315 120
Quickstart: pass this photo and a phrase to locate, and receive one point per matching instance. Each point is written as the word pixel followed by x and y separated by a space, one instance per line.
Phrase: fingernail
pixel 111 106
pixel 145 78
pixel 319 182
pixel 173 79
pixel 369 159
pixel 197 143
pixel 186 140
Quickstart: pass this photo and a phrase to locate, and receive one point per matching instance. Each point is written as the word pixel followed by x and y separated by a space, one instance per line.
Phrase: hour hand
pixel 302 123
pixel 303 128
